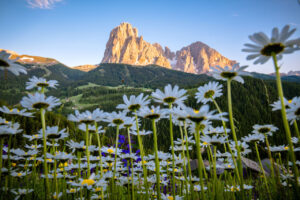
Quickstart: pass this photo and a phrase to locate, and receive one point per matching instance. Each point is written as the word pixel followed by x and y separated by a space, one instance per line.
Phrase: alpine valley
pixel 131 66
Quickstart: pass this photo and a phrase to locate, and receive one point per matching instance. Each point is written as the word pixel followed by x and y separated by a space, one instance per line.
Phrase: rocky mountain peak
pixel 125 46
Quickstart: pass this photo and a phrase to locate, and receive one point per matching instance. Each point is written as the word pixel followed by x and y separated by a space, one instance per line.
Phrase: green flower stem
pixel 87 152
pixel 156 160
pixel 116 152
pixel 270 157
pixel 142 155
pixel 100 156
pixel 79 161
pixel 239 161
pixel 131 163
pixel 188 158
pixel 296 129
pixel 55 167
pixel 1 152
pixel 284 119
pixel 173 153
pixel 200 160
pixel 227 142
pixel 8 159
pixel 262 169
pixel 45 151
pixel 184 164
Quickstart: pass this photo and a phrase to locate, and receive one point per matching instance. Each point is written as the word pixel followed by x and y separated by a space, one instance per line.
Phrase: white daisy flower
pixel 293 113
pixel 179 113
pixel 85 117
pixel 267 129
pixel 92 129
pixel 52 132
pixel 278 148
pixel 40 83
pixel 226 73
pixel 256 137
pixel 213 139
pixel 7 64
pixel 209 91
pixel 203 113
pixel 15 111
pixel 38 101
pixel 170 95
pixel 152 113
pixel 134 103
pixel 115 118
pixel 12 129
pixel 142 132
pixel 21 192
pixel 169 197
pixel 278 44
pixel 277 104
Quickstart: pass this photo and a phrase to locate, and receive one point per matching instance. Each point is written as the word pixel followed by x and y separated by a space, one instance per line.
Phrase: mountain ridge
pixel 125 46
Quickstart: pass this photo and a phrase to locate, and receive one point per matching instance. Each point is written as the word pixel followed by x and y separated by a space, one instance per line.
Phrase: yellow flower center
pixel 175 170
pixel 49 160
pixel 6 122
pixel 170 198
pixel 196 111
pixel 286 148
pixel 229 166
pixel 13 164
pixel 84 147
pixel 290 101
pixel 152 111
pixel 98 189
pixel 110 150
pixel 87 182
pixel 19 174
pixel 72 190
pixel 205 143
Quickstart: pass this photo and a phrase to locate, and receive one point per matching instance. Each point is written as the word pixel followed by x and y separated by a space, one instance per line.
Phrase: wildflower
pixel 277 104
pixel 115 118
pixel 265 47
pixel 134 103
pixel 89 182
pixel 56 196
pixel 226 73
pixel 15 111
pixel 152 113
pixel 10 130
pixel 142 132
pixel 92 129
pixel 40 83
pixel 39 101
pixel 170 95
pixel 214 139
pixel 52 132
pixel 8 64
pixel 203 114
pixel 293 113
pixel 266 129
pixel 85 117
pixel 209 91
pixel 21 192
pixel 256 137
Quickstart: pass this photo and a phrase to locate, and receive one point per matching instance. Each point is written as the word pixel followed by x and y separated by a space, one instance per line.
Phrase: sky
pixel 75 32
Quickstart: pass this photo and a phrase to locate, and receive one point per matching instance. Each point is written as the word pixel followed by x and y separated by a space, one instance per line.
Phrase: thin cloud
pixel 42 4
pixel 235 15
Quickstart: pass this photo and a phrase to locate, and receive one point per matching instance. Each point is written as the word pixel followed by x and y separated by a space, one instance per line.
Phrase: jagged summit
pixel 125 46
